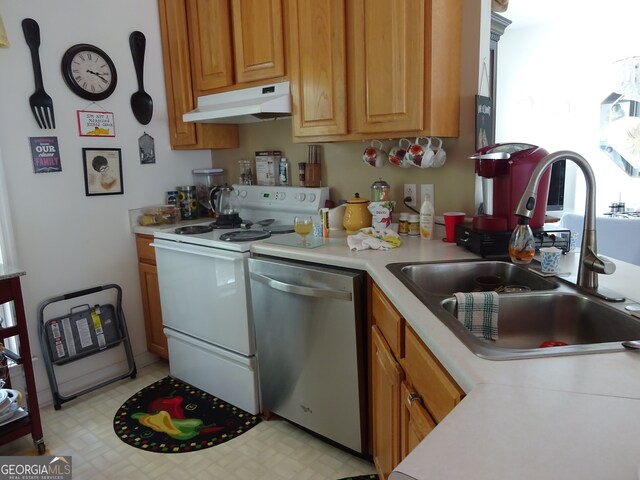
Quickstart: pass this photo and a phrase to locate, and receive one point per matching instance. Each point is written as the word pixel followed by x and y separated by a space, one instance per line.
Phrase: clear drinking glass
pixel 303 226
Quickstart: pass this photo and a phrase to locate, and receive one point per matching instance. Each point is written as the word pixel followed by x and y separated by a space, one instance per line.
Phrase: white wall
pixel 552 78
pixel 67 241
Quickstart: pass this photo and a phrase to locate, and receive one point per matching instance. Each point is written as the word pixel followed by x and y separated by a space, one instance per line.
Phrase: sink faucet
pixel 590 264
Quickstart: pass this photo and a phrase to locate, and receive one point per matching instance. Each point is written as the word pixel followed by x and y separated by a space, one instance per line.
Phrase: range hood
pixel 248 105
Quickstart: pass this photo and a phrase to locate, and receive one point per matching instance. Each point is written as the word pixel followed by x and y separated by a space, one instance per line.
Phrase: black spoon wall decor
pixel 141 101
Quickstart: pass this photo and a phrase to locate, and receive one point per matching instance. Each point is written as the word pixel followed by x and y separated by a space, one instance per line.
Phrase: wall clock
pixel 89 72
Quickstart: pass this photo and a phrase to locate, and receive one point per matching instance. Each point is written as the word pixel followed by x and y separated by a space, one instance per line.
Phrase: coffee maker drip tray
pixel 496 244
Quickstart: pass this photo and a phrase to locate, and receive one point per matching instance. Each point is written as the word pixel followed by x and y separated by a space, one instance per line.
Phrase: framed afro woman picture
pixel 102 171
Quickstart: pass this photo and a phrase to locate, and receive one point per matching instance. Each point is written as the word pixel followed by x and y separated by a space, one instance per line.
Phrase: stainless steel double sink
pixel 533 310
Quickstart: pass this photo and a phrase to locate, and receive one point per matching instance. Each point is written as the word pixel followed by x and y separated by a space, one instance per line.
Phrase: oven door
pixel 204 293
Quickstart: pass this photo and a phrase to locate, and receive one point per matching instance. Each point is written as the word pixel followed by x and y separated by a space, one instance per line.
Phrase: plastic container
pixel 284 176
pixel 427 214
pixel 414 225
pixel 206 180
pixel 403 224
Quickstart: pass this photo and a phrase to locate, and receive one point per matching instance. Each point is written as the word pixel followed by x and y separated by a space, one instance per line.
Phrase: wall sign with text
pixel 45 154
pixel 96 124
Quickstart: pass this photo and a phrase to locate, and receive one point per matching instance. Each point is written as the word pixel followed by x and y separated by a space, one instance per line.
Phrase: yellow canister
pixel 356 215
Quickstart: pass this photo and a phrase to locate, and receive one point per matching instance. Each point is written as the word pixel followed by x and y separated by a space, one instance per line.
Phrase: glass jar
pixel 187 202
pixel 380 191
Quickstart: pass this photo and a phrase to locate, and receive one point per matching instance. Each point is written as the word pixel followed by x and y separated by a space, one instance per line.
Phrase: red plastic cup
pixel 451 219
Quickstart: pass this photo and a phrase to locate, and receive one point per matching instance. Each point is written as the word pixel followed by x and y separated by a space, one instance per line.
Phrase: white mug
pixel 420 154
pixel 375 155
pixel 398 153
pixel 440 155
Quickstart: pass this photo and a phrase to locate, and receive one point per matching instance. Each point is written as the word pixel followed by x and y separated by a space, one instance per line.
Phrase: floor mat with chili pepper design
pixel 170 416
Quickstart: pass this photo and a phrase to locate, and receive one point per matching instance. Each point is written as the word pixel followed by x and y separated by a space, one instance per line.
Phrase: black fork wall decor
pixel 40 102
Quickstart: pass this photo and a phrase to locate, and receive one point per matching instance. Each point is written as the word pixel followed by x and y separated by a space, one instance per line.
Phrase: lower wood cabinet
pixel 156 340
pixel 387 375
pixel 411 392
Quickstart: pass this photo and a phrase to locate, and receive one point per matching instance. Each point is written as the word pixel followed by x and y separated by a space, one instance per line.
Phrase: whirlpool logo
pixel 35 468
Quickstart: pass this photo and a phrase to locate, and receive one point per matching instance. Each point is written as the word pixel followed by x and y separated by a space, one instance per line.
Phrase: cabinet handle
pixel 412 397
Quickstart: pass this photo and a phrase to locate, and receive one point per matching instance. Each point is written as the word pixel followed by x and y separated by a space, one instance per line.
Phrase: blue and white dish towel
pixel 478 311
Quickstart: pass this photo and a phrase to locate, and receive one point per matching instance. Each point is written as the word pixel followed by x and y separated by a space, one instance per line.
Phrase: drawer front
pixel 388 320
pixel 429 379
pixel 146 253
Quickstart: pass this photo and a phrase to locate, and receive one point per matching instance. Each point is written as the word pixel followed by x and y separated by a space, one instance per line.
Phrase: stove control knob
pixel 300 196
pixel 242 193
pixel 312 197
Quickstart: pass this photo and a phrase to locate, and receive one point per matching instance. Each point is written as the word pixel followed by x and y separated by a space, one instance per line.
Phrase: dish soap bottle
pixel 522 244
pixel 426 218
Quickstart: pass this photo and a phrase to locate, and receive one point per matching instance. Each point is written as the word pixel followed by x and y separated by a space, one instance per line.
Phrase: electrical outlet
pixel 427 188
pixel 410 191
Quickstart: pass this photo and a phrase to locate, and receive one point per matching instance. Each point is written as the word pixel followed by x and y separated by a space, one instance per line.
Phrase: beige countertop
pixel 568 388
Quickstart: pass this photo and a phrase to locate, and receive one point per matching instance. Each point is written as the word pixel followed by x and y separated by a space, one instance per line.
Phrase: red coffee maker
pixel 505 169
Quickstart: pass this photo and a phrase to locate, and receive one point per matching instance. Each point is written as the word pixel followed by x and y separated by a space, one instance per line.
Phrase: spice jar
pixel 380 191
pixel 403 224
pixel 414 225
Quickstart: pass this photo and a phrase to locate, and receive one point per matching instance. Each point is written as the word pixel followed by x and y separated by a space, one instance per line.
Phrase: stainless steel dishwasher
pixel 310 344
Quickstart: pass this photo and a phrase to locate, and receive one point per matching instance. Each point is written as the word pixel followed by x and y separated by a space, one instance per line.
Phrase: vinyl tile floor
pixel 272 450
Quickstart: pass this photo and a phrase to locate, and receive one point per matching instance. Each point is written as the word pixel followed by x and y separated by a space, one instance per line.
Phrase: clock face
pixel 89 72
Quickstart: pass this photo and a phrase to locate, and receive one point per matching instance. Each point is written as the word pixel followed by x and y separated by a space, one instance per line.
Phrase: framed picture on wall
pixel 102 171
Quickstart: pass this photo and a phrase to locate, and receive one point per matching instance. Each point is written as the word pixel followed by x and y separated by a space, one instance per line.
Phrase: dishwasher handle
pixel 300 290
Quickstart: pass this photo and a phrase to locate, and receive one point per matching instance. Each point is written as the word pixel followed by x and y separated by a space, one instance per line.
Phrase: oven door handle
pixel 300 290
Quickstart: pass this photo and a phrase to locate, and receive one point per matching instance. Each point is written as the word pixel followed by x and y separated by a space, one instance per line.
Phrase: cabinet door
pixel 156 340
pixel 177 71
pixel 210 40
pixel 439 392
pixel 415 421
pixel 386 376
pixel 258 39
pixel 318 67
pixel 389 60
pixel 179 87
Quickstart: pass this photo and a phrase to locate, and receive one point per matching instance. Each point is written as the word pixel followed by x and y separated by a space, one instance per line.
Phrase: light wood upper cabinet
pixel 389 46
pixel 402 65
pixel 318 67
pixel 179 84
pixel 211 43
pixel 258 39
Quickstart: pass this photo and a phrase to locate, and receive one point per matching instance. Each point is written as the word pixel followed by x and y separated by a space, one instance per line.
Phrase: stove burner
pixel 275 229
pixel 244 235
pixel 225 226
pixel 227 221
pixel 193 229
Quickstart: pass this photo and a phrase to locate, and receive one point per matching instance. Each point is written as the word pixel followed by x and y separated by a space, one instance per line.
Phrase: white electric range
pixel 205 295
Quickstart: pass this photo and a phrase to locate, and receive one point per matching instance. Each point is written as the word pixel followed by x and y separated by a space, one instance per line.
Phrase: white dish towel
pixel 478 311
pixel 368 238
